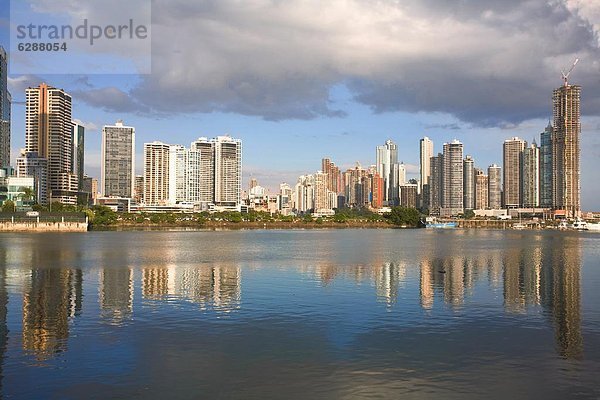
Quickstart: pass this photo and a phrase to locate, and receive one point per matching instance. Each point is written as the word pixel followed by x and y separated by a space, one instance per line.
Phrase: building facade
pixel 469 183
pixel 531 176
pixel 453 174
pixel 78 157
pixel 513 167
pixel 426 152
pixel 436 180
pixel 566 149
pixel 5 111
pixel 481 190
pixel 29 164
pixel 48 133
pixel 386 164
pixel 117 170
pixel 546 166
pixel 156 173
pixel 494 187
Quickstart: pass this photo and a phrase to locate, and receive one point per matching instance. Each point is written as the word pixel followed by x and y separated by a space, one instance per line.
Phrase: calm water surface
pixel 300 314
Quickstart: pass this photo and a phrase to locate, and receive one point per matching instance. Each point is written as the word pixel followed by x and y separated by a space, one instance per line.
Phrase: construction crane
pixel 565 76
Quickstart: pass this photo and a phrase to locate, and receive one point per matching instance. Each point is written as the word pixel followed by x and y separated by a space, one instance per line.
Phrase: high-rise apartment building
pixel 546 166
pixel 117 170
pixel 29 164
pixel 386 164
pixel 436 180
pixel 228 172
pixel 513 167
pixel 138 189
pixel 565 149
pixel 206 148
pixel 469 183
pixel 333 175
pixel 156 173
pixel 5 104
pixel 78 155
pixel 494 187
pixel 321 190
pixel 481 190
pixel 531 176
pixel 184 175
pixel 452 199
pixel 426 152
pixel 48 134
pixel 408 195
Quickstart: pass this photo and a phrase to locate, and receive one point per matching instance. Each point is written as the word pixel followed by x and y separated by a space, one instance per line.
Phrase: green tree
pixel 469 214
pixel 8 206
pixel 103 216
pixel 404 216
pixel 306 218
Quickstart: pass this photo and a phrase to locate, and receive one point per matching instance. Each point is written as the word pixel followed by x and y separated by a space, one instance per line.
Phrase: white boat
pixel 595 227
pixel 580 225
pixel 519 226
pixel 563 225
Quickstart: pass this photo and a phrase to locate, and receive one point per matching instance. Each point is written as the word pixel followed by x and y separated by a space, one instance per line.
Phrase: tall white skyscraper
pixel 206 148
pixel 184 175
pixel 426 152
pixel 469 183
pixel 228 172
pixel 386 161
pixel 156 173
pixel 531 176
pixel 117 168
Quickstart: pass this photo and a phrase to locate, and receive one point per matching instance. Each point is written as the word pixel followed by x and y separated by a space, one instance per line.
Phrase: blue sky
pixel 294 97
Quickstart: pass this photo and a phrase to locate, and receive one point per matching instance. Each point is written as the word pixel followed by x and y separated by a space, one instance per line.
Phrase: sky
pixel 299 80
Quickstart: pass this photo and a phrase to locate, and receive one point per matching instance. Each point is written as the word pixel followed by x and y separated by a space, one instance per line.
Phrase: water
pixel 300 314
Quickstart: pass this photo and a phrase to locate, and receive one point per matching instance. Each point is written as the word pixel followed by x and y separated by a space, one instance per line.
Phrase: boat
pixel 563 225
pixel 594 227
pixel 432 222
pixel 441 225
pixel 519 226
pixel 580 225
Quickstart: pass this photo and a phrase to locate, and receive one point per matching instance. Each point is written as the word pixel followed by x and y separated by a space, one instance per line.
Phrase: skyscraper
pixel 184 175
pixel 469 183
pixel 48 134
pixel 494 187
pixel 228 172
pixel 117 168
pixel 386 159
pixel 156 173
pixel 78 155
pixel 206 148
pixel 452 199
pixel 565 149
pixel 546 166
pixel 436 180
pixel 481 190
pixel 333 175
pixel 5 103
pixel 531 176
pixel 513 166
pixel 426 152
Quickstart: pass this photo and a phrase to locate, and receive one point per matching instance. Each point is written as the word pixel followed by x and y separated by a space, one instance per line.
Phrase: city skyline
pixel 480 121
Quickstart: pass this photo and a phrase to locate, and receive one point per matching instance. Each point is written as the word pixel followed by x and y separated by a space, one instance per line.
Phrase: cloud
pixel 18 84
pixel 89 126
pixel 486 62
pixel 111 99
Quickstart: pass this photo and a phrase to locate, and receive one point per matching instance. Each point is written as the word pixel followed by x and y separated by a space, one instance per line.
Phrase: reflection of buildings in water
pixel 522 270
pixel 52 296
pixel 155 282
pixel 426 284
pixel 3 325
pixel 561 293
pixel 326 273
pixel 454 281
pixel 116 294
pixel 495 269
pixel 388 277
pixel 218 286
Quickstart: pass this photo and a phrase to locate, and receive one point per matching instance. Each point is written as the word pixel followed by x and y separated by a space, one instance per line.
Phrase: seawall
pixel 33 226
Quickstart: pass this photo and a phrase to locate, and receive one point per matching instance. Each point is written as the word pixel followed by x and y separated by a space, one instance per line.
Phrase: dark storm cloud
pixel 489 63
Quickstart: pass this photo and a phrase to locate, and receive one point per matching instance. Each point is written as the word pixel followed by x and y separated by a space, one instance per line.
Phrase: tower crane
pixel 565 75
